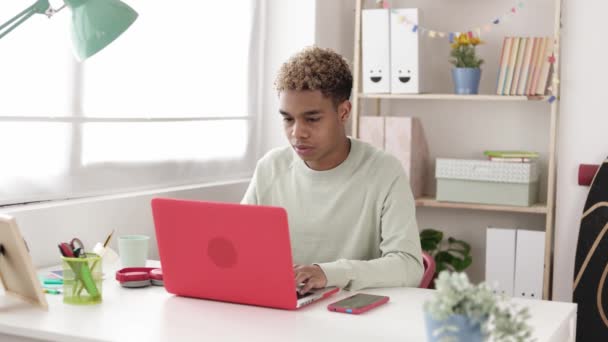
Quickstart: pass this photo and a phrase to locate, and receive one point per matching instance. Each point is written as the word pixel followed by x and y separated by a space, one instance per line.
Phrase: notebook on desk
pixel 228 252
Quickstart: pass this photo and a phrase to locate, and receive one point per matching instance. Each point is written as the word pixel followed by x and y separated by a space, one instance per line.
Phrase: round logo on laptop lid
pixel 222 252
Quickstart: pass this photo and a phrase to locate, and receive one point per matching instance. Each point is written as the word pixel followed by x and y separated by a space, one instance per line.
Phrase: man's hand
pixel 312 276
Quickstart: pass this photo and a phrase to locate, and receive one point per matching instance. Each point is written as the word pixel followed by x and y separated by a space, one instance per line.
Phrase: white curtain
pixel 173 101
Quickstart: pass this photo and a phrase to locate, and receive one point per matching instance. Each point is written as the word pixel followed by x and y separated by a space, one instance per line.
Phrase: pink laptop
pixel 228 252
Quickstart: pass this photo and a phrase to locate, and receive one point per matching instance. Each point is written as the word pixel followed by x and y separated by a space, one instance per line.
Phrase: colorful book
pixel 504 58
pixel 532 70
pixel 518 65
pixel 538 65
pixel 545 72
pixel 511 67
pixel 510 160
pixel 523 77
pixel 511 154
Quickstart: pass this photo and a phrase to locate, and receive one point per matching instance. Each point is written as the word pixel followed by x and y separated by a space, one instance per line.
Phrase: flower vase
pixel 466 80
pixel 457 328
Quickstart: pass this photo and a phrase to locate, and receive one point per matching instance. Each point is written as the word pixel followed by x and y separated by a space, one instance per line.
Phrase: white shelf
pixel 539 208
pixel 453 97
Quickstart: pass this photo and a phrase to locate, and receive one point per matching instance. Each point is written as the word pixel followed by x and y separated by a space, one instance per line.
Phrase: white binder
pixel 405 52
pixel 529 264
pixel 500 259
pixel 375 51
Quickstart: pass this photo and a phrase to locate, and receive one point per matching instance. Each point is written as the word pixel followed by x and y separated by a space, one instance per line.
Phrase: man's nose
pixel 299 130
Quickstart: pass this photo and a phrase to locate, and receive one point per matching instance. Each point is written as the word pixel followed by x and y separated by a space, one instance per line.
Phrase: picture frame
pixel 17 273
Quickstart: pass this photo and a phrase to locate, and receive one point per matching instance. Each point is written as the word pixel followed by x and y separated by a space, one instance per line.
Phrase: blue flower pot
pixel 466 80
pixel 460 329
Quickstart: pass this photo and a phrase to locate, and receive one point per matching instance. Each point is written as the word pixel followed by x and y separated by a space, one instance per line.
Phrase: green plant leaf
pixel 444 257
pixel 462 264
pixel 451 256
pixel 428 245
pixel 465 247
pixel 430 239
pixel 443 261
pixel 431 234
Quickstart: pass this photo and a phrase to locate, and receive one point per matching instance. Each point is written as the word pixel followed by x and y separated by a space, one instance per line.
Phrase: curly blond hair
pixel 316 68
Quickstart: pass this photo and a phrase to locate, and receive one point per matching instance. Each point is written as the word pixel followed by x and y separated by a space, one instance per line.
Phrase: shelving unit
pixel 452 97
pixel 546 209
pixel 539 208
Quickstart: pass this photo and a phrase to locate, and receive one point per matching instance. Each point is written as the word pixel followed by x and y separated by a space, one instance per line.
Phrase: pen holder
pixel 82 280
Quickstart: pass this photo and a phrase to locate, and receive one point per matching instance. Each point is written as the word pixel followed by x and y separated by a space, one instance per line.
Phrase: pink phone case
pixel 356 311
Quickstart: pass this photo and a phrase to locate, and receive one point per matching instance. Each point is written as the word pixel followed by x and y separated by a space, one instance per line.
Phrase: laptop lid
pixel 224 251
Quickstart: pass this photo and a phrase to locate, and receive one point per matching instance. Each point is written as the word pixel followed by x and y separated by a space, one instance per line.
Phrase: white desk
pixel 151 314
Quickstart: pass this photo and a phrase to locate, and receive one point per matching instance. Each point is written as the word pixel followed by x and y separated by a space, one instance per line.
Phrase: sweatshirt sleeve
pixel 400 263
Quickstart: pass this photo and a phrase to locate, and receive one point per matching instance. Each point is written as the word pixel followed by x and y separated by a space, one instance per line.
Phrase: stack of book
pixel 526 65
pixel 511 156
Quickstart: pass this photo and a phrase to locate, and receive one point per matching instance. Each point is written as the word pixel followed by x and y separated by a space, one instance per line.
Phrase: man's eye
pixel 313 119
pixel 287 119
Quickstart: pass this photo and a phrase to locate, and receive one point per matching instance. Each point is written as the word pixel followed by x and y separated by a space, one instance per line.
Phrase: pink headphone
pixel 140 276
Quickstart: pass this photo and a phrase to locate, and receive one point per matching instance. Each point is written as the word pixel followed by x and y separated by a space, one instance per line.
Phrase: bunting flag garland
pixel 433 33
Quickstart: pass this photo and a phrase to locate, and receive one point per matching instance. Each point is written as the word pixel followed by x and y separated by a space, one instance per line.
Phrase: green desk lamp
pixel 95 23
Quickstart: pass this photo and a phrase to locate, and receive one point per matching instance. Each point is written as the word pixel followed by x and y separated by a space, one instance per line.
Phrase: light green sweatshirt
pixel 356 221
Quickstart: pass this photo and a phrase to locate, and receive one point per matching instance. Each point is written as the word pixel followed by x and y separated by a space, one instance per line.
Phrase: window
pixel 169 102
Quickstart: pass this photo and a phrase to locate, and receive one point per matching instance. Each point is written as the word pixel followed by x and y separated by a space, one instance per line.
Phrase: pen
pixel 105 244
pixel 52 291
pixel 52 281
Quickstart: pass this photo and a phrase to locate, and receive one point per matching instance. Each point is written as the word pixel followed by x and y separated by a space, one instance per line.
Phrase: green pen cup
pixel 82 280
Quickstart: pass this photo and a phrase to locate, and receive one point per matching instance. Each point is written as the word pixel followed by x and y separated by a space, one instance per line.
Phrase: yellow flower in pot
pixel 466 72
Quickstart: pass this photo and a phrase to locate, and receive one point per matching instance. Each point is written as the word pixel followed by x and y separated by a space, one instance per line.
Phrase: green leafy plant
pixel 463 52
pixel 453 255
pixel 497 317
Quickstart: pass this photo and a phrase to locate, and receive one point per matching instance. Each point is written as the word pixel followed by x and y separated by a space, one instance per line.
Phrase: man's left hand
pixel 312 276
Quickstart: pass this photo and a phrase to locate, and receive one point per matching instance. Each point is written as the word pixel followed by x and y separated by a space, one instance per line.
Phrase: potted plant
pixel 453 255
pixel 461 311
pixel 466 72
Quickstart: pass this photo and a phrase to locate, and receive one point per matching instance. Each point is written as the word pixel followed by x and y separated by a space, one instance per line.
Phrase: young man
pixel 351 211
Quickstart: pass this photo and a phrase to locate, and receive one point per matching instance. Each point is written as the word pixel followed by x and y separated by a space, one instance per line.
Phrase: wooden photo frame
pixel 17 273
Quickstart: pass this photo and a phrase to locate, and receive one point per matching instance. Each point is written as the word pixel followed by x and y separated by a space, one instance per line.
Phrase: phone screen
pixel 357 301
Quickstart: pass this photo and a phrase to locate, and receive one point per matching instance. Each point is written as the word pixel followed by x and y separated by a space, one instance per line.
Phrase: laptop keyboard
pixel 300 296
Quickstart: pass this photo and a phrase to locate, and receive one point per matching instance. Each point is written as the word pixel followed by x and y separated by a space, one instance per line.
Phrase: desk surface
pixel 152 314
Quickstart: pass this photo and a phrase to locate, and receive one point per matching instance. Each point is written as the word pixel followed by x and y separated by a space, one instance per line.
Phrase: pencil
pixel 105 244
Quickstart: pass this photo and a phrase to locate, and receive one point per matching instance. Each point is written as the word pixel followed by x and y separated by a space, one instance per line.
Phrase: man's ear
pixel 344 109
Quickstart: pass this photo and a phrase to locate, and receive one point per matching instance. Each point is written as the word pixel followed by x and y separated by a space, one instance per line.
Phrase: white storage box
pixel 487 182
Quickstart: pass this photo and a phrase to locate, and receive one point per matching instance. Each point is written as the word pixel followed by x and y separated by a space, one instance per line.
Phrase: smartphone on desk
pixel 357 304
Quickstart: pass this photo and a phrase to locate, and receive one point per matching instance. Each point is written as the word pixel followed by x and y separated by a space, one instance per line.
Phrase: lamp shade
pixel 96 23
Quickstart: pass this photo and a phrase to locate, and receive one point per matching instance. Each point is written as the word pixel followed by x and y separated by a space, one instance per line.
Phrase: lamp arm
pixel 40 7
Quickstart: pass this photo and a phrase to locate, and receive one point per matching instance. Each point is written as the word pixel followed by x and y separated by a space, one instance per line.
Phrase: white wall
pixel 335 26
pixel 45 225
pixel 583 126
pixel 290 27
